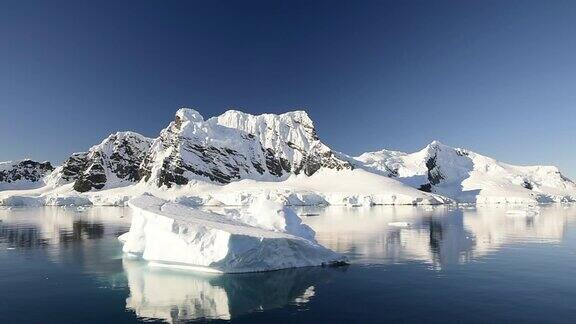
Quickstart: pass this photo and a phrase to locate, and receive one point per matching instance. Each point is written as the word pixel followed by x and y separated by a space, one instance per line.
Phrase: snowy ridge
pixel 471 177
pixel 171 234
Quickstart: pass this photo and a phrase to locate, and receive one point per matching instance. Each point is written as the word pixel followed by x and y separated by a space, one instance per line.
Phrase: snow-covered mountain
pixel 234 157
pixel 237 146
pixel 23 174
pixel 115 161
pixel 470 177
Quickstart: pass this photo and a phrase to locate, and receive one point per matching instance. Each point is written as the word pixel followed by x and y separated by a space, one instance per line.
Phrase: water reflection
pixel 176 296
pixel 66 235
pixel 42 227
pixel 438 236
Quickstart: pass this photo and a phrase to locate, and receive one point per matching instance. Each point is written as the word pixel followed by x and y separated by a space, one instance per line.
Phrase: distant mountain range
pixel 467 176
pixel 273 148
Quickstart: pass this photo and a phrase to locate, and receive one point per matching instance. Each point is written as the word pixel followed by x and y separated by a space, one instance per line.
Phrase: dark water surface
pixel 449 265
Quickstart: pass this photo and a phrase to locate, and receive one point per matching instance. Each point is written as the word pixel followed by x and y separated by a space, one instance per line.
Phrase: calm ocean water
pixel 448 265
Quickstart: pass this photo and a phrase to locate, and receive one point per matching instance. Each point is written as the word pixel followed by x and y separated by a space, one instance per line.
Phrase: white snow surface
pixel 269 237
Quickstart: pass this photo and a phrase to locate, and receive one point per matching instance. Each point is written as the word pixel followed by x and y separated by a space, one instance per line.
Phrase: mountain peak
pixel 189 114
pixel 436 144
pixel 300 116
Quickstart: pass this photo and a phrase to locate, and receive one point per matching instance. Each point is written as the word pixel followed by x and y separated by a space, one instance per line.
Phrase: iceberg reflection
pixel 176 296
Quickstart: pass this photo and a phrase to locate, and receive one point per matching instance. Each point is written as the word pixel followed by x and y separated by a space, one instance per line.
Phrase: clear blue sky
pixel 498 77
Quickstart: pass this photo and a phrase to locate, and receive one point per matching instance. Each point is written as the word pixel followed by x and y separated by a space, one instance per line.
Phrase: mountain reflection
pixel 438 236
pixel 29 228
pixel 176 296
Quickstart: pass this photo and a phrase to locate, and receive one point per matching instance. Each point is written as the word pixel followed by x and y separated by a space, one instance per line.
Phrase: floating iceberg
pixel 267 237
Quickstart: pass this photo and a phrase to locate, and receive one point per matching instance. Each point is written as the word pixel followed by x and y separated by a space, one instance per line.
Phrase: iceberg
pixel 269 236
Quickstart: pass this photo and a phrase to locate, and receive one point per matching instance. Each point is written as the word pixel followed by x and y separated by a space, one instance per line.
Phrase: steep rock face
pixel 289 139
pixel 70 170
pixel 465 175
pixel 237 146
pixel 114 161
pixel 23 172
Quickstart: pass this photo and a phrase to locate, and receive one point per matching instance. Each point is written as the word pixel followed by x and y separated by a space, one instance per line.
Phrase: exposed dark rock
pixel 526 184
pixel 434 174
pixel 426 187
pixel 74 166
pixel 273 164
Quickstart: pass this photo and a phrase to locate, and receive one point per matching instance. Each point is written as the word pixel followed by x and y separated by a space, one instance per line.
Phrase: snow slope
pixel 167 233
pixel 326 187
pixel 471 177
pixel 349 187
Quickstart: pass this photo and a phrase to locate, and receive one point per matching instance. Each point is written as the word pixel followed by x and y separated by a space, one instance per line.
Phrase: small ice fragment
pixel 521 212
pixel 308 214
pixel 399 224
